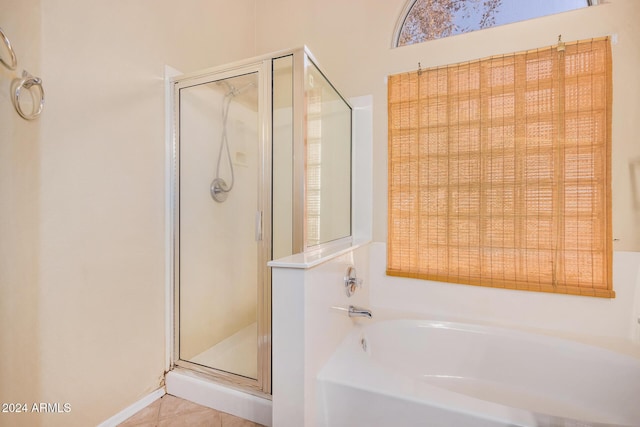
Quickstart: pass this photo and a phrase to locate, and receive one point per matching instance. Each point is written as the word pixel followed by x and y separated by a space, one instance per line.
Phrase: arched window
pixel 424 20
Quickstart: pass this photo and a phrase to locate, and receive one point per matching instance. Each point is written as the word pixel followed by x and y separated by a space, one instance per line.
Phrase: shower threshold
pixel 237 354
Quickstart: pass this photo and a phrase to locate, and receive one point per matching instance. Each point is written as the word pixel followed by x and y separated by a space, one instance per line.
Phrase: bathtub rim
pixel 623 346
pixel 442 398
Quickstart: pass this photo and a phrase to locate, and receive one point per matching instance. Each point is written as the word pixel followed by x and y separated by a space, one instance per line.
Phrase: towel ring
pixel 7 43
pixel 28 82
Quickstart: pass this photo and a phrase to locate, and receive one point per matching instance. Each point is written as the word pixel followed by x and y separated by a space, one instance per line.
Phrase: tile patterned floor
pixel 171 411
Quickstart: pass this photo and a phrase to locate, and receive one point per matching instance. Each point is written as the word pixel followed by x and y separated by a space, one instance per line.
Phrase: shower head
pixel 233 91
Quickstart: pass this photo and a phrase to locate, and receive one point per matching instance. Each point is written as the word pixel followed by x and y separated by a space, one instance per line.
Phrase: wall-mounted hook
pixel 561 46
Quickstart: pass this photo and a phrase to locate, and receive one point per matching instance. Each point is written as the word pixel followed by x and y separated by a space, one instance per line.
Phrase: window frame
pixel 406 10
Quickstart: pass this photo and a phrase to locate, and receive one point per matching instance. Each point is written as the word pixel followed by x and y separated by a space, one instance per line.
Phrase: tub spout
pixel 359 312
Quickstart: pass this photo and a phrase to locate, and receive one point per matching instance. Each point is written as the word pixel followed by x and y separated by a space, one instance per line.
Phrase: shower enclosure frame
pixel 263 65
pixel 262 385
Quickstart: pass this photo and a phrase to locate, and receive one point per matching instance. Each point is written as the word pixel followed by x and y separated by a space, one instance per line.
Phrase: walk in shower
pixel 261 170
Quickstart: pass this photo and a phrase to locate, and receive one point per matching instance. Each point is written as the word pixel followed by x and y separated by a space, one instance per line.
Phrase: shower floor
pixel 237 354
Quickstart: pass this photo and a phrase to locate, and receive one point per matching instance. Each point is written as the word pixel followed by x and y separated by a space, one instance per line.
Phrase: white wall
pixel 603 321
pixel 82 277
pixel 307 328
pixel 352 42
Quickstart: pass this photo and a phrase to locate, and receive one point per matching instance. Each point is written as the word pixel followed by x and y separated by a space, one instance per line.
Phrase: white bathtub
pixel 428 373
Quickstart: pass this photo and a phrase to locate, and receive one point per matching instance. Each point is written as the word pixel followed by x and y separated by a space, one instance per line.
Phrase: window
pixel 499 171
pixel 433 19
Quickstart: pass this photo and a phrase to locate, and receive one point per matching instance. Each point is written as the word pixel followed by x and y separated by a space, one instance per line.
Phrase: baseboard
pixel 218 397
pixel 129 411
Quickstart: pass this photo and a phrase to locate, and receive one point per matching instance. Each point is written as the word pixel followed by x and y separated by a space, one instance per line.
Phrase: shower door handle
pixel 258 226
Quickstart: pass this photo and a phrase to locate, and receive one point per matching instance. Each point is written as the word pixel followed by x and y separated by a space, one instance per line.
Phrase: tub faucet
pixel 359 312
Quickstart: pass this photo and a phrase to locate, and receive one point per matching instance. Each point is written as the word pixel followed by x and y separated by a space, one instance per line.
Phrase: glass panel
pixel 218 252
pixel 282 157
pixel 428 19
pixel 328 159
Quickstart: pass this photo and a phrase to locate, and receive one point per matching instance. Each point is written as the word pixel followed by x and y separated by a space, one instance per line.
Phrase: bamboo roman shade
pixel 499 171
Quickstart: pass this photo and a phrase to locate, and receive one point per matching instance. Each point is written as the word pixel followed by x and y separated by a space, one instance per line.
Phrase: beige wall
pixel 82 273
pixel 20 374
pixel 82 189
pixel 352 42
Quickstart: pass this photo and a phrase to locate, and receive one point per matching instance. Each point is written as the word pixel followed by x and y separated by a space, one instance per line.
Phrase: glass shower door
pixel 220 248
pixel 261 170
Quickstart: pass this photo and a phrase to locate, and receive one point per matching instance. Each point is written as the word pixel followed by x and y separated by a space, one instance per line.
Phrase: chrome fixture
pixel 27 82
pixel 219 187
pixel 351 281
pixel 12 63
pixel 359 312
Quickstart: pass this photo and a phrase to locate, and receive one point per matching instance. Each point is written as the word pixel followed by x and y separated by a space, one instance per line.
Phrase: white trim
pixel 362 168
pixel 131 410
pixel 321 254
pixel 232 66
pixel 188 385
pixel 409 4
pixel 169 74
pixel 400 22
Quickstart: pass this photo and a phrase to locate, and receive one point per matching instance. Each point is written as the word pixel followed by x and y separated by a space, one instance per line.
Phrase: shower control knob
pixel 351 281
pixel 219 190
